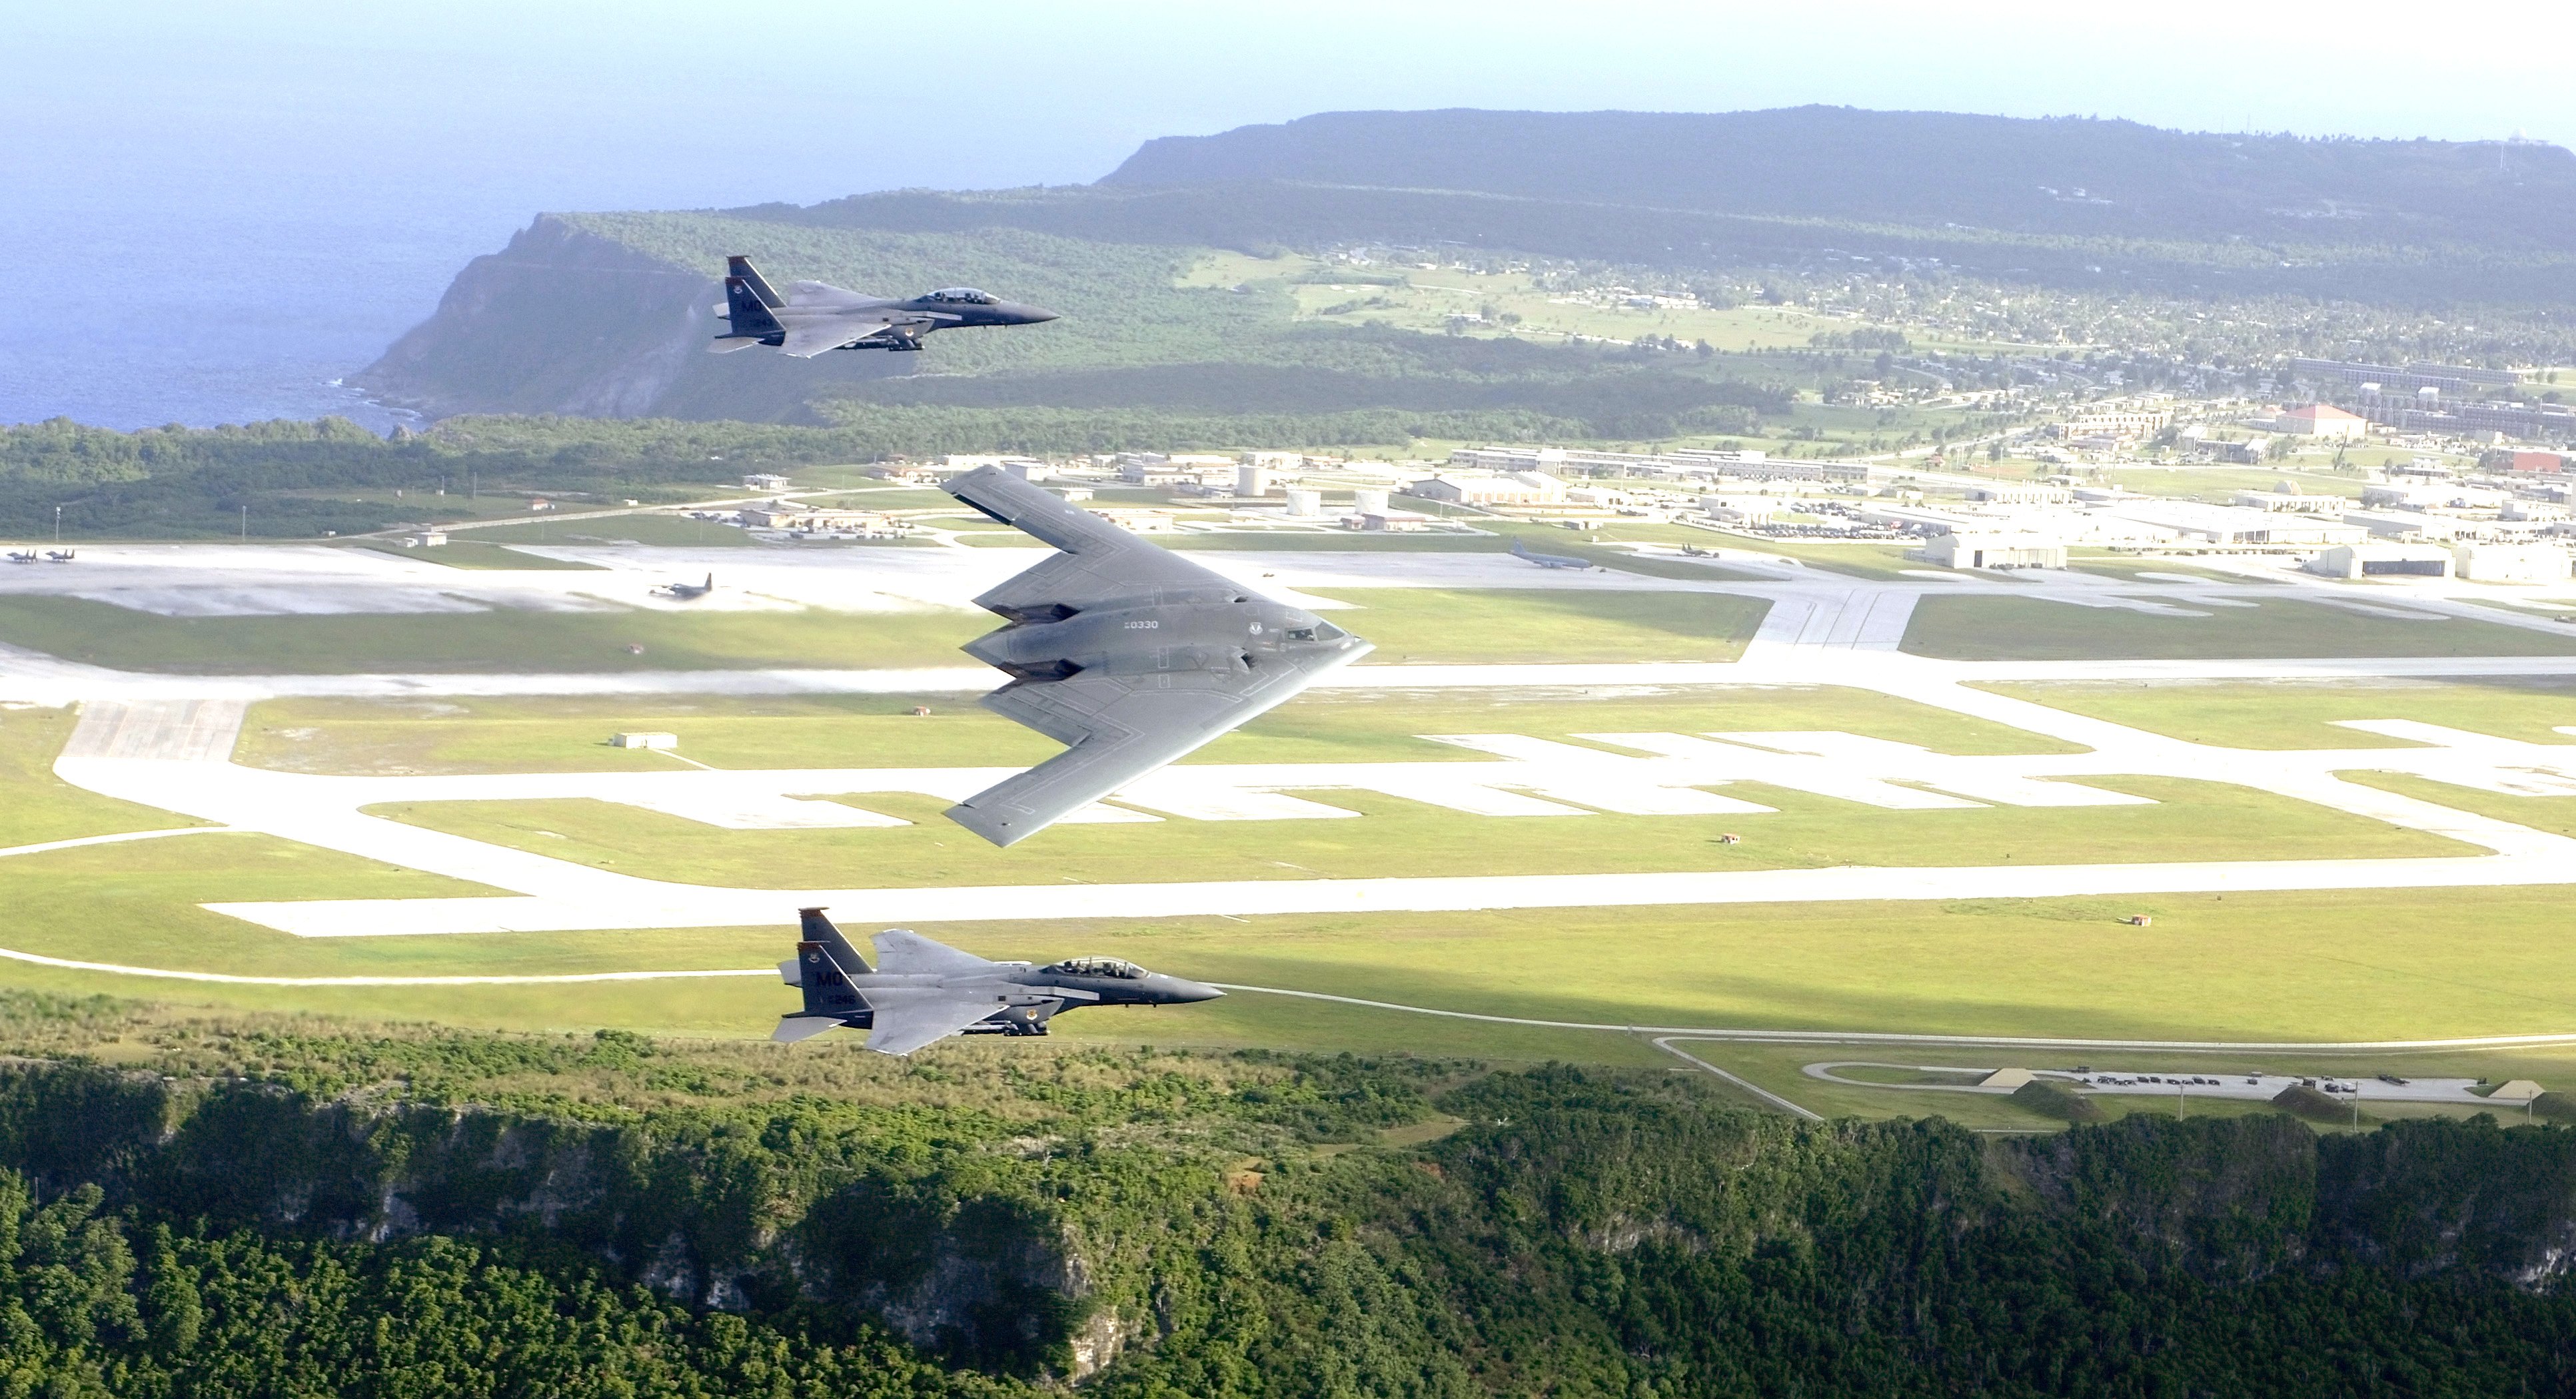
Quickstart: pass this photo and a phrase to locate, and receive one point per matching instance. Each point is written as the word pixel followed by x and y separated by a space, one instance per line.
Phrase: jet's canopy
pixel 966 294
pixel 1097 966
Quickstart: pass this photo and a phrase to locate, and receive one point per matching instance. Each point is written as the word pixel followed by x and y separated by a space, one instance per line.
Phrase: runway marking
pixel 108 840
pixel 228 979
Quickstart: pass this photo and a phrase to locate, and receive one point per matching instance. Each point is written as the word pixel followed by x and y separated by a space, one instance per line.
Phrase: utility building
pixel 2383 561
pixel 1984 550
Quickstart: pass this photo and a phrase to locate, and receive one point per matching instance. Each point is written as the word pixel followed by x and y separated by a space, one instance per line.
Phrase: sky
pixel 211 209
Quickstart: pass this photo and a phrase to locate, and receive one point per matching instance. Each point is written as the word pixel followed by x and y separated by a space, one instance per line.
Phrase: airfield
pixel 1762 808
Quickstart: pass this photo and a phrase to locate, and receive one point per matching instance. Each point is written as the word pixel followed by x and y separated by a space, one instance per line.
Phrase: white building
pixel 763 481
pixel 1995 549
pixel 2510 563
pixel 1519 488
pixel 2231 525
pixel 2383 561
pixel 2403 524
pixel 2323 420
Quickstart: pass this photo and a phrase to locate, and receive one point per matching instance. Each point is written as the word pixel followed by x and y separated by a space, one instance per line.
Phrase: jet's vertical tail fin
pixel 740 266
pixel 711 582
pixel 825 962
pixel 749 314
pixel 1520 550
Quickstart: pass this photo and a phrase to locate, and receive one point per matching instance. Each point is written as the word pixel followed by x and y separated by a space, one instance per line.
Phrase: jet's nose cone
pixel 1035 314
pixel 1186 992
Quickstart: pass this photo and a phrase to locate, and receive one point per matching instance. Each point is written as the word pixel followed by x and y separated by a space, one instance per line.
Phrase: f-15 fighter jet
pixel 1132 655
pixel 921 992
pixel 814 316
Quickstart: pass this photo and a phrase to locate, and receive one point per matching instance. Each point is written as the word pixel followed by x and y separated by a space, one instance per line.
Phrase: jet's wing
pixel 908 1018
pixel 808 336
pixel 1100 562
pixel 826 294
pixel 1121 727
pixel 902 952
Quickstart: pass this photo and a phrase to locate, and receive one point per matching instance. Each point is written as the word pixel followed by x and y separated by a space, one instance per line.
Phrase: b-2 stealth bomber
pixel 816 316
pixel 921 992
pixel 1132 655
pixel 1522 552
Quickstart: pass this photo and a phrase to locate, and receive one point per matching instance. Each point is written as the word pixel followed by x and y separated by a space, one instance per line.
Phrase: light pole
pixel 58 524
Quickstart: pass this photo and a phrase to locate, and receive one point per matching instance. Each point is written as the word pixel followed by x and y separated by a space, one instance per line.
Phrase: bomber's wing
pixel 1100 562
pixel 907 1019
pixel 902 952
pixel 1121 727
pixel 808 336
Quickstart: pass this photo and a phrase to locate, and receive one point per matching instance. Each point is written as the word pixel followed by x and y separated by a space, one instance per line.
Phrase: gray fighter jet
pixel 1521 551
pixel 1132 655
pixel 687 592
pixel 921 992
pixel 816 316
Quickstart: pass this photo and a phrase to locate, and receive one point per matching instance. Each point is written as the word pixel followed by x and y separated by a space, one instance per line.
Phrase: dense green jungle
pixel 288 1206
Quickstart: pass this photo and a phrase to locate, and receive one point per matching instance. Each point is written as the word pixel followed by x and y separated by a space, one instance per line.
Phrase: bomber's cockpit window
pixel 1098 966
pixel 1321 631
pixel 965 294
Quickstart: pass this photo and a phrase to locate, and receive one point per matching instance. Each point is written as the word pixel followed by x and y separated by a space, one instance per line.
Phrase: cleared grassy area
pixel 2121 566
pixel 1392 837
pixel 2368 965
pixel 36 806
pixel 2302 713
pixel 1542 625
pixel 476 554
pixel 569 734
pixel 2556 815
pixel 536 642
pixel 2218 483
pixel 631 529
pixel 2034 629
pixel 1883 561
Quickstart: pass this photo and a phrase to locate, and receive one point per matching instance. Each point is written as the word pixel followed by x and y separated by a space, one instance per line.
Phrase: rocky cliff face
pixel 560 321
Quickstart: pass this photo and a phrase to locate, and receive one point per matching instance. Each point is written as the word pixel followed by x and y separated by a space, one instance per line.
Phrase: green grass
pixel 476 554
pixel 2121 566
pixel 1391 836
pixel 632 529
pixel 1543 625
pixel 539 642
pixel 1882 561
pixel 2221 483
pixel 2555 815
pixel 2302 713
pixel 36 806
pixel 2032 629
pixel 569 734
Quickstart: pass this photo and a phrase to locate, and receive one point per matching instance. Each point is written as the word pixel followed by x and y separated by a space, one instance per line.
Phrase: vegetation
pixel 2294 713
pixel 2032 629
pixel 302 1208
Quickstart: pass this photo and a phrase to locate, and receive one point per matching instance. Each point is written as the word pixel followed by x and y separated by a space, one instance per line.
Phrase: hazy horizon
pixel 228 208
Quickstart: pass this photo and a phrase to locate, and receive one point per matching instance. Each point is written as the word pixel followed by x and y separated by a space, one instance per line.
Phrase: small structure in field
pixel 645 740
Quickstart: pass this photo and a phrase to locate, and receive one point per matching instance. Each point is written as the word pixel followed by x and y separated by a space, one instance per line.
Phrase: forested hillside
pixel 292 1208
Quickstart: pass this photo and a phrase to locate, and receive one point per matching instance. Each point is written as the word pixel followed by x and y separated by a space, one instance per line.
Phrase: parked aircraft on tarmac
pixel 921 992
pixel 687 592
pixel 1521 551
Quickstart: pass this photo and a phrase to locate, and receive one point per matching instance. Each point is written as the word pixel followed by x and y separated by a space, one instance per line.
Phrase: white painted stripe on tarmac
pixel 227 979
pixel 107 840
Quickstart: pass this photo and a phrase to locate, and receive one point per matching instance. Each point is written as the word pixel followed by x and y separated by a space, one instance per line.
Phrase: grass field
pixel 476 554
pixel 563 734
pixel 1393 837
pixel 36 806
pixel 1543 625
pixel 1864 559
pixel 631 529
pixel 2301 713
pixel 2374 965
pixel 2031 629
pixel 2556 815
pixel 536 642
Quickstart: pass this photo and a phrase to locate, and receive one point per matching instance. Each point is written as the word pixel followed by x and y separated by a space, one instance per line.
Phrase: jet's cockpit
pixel 1098 966
pixel 968 295
pixel 1321 631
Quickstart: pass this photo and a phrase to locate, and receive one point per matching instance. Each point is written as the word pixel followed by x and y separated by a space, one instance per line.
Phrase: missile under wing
pixel 1131 655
